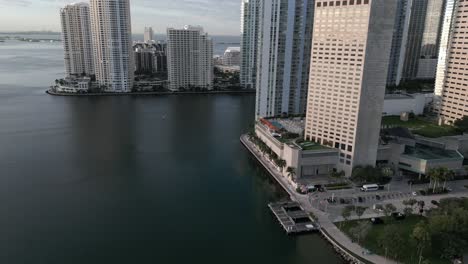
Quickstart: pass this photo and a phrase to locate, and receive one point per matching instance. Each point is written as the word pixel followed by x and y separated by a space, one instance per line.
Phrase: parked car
pixel 360 199
pixel 378 197
pixel 434 202
pixel 398 216
pixel 377 221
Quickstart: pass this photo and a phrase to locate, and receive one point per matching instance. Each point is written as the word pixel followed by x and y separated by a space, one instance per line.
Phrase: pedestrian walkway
pixel 328 229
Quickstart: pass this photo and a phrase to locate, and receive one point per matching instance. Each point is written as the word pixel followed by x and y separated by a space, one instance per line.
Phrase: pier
pixel 293 218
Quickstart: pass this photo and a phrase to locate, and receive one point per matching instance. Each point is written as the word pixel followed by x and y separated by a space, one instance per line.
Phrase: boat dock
pixel 293 218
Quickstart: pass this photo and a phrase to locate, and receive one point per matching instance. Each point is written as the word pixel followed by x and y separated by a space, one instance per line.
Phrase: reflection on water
pixel 134 180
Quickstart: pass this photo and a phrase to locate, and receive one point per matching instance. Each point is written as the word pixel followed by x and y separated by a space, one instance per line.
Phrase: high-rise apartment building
pixel 445 41
pixel 399 41
pixel 76 39
pixel 112 44
pixel 283 59
pixel 454 92
pixel 249 42
pixel 423 39
pixel 148 34
pixel 232 56
pixel 190 58
pixel 349 63
pixel 150 58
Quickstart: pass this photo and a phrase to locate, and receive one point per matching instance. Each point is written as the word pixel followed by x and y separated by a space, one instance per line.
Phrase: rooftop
pixel 430 153
pixel 309 145
pixel 420 126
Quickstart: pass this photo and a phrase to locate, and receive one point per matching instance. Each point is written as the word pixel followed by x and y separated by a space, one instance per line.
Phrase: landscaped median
pixel 338 186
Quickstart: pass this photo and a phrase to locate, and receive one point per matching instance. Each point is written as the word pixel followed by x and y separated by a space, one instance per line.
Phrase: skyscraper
pixel 445 42
pixel 148 35
pixel 350 52
pixel 284 46
pixel 112 44
pixel 399 41
pixel 249 42
pixel 189 58
pixel 454 91
pixel 423 39
pixel 76 38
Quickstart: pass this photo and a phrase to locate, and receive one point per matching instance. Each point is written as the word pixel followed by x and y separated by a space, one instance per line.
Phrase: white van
pixel 370 188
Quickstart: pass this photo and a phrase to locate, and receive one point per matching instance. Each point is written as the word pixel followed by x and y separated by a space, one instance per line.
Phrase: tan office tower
pixel 455 82
pixel 76 38
pixel 350 53
pixel 112 44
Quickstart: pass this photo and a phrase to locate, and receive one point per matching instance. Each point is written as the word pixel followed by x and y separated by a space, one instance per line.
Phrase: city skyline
pixel 42 15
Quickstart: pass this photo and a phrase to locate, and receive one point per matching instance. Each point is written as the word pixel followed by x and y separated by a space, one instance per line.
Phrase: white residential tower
pixel 189 58
pixel 76 38
pixel 112 44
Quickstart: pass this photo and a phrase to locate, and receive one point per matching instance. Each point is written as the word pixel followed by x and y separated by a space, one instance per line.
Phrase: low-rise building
pixel 415 154
pixel 396 104
pixel 307 159
pixel 398 149
pixel 73 85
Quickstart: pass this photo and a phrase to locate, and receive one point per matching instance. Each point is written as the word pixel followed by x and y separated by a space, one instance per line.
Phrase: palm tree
pixel 438 174
pixel 281 164
pixel 448 176
pixel 387 172
pixel 291 172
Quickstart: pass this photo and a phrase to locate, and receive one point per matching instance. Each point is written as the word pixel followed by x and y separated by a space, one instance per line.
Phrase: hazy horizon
pixel 43 15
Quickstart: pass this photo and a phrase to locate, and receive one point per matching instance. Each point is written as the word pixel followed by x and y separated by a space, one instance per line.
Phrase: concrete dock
pixel 293 218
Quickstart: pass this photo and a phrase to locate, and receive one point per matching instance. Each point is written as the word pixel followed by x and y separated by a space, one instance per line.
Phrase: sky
pixel 218 17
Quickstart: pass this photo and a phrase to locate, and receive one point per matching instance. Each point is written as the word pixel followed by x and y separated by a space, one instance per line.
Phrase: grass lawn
pixel 371 241
pixel 308 145
pixel 420 127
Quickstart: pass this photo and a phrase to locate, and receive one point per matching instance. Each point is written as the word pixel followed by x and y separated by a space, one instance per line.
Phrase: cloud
pixel 22 3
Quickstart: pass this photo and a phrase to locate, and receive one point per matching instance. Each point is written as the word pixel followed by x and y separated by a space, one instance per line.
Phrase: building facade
pixel 112 44
pixel 423 39
pixel 77 40
pixel 445 41
pixel 349 65
pixel 249 42
pixel 283 59
pixel 148 35
pixel 150 58
pixel 232 56
pixel 190 58
pixel 399 41
pixel 454 95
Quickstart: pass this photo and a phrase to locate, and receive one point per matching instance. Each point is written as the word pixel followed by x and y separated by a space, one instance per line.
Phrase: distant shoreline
pixel 49 92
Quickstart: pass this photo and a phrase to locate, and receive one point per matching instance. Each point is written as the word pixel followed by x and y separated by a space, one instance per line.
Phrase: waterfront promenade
pixel 328 229
pixel 149 93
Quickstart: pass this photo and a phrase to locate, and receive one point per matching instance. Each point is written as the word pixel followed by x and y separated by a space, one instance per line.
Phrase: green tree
pixel 387 172
pixel 361 230
pixel 360 211
pixel 291 172
pixel 436 175
pixel 408 211
pixel 422 237
pixel 367 174
pixel 462 124
pixel 392 240
pixel 281 164
pixel 389 209
pixel 337 174
pixel 346 212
